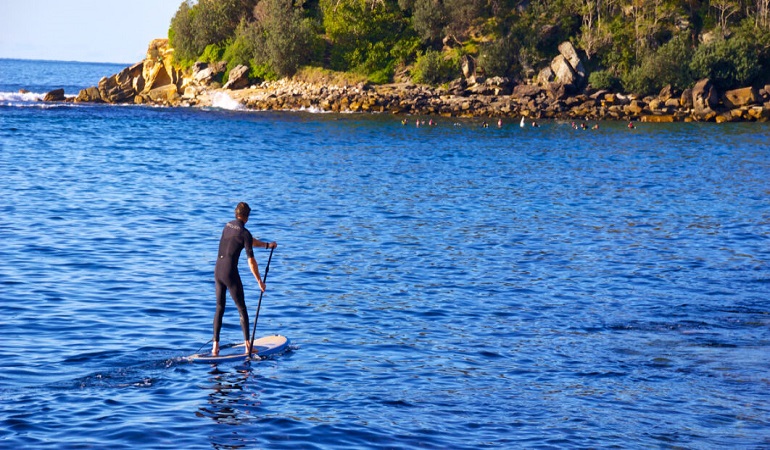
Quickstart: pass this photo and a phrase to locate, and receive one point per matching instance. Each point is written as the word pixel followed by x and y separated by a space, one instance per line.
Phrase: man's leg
pixel 218 315
pixel 240 302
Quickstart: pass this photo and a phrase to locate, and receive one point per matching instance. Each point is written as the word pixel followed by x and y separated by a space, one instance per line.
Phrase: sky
pixel 83 30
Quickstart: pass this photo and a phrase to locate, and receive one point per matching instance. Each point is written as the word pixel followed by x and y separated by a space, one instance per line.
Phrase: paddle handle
pixel 259 305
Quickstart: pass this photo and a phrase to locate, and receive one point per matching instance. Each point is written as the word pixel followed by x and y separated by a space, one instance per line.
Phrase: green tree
pixel 196 26
pixel 429 20
pixel 285 39
pixel 181 34
pixel 361 32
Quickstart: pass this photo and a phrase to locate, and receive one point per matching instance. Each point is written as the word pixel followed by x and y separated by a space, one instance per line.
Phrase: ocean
pixel 443 287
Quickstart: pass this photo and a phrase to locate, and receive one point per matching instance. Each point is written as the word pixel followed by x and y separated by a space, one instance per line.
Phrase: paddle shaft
pixel 259 305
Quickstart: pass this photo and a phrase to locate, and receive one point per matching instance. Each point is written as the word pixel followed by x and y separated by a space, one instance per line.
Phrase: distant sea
pixel 444 287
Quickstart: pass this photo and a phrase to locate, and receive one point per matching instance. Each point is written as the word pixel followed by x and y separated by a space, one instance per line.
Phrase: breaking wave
pixel 223 101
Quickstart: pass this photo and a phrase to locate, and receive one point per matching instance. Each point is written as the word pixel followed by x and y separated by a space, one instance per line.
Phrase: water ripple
pixel 452 287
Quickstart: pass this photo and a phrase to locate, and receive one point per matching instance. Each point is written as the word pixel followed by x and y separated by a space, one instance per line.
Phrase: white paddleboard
pixel 264 346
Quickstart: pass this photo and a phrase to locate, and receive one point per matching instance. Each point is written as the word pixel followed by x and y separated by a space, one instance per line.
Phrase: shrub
pixel 213 53
pixel 603 79
pixel 669 65
pixel 434 68
pixel 497 57
pixel 729 63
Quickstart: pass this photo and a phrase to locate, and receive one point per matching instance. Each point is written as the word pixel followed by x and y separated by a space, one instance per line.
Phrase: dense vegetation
pixel 637 46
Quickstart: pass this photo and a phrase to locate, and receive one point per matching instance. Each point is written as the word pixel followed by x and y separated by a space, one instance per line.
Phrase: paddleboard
pixel 264 346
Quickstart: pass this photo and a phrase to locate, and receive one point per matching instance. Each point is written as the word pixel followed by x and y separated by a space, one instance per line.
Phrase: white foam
pixel 222 100
pixel 16 97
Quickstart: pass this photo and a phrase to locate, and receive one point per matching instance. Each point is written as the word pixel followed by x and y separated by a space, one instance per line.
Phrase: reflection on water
pixel 231 400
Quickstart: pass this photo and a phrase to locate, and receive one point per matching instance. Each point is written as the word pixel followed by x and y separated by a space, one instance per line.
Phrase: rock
pixel 655 104
pixel 685 101
pixel 90 95
pixel 209 73
pixel 563 72
pixel 111 91
pixel 165 94
pixel 198 66
pixel 527 91
pixel 546 76
pixel 663 118
pixel 672 103
pixel 666 93
pixel 759 113
pixel 468 65
pixel 568 51
pixel 704 99
pixel 723 118
pixel 556 91
pixel 57 95
pixel 740 97
pixel 158 66
pixel 457 87
pixel 238 79
pixel 599 95
pixel 634 108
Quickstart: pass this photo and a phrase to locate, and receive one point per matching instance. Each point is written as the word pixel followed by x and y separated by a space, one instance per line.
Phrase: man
pixel 235 237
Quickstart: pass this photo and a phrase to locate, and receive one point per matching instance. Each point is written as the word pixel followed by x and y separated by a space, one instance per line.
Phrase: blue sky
pixel 83 30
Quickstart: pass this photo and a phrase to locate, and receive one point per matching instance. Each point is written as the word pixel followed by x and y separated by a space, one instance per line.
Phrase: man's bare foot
pixel 247 344
pixel 215 349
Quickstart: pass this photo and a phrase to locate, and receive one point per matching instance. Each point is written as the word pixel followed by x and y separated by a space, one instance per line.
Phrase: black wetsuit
pixel 235 237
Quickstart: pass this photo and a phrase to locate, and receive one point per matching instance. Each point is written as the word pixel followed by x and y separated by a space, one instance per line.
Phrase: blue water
pixel 443 287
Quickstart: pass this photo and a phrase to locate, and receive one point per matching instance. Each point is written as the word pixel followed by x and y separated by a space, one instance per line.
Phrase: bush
pixel 213 53
pixel 669 65
pixel 603 79
pixel 729 63
pixel 497 57
pixel 433 68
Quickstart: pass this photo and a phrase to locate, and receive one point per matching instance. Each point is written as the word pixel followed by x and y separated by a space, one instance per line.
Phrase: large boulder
pixel 568 51
pixel 116 89
pixel 238 79
pixel 158 67
pixel 705 99
pixel 167 94
pixel 564 73
pixel 90 94
pixel 205 74
pixel 527 91
pixel 468 65
pixel 737 98
pixel 57 95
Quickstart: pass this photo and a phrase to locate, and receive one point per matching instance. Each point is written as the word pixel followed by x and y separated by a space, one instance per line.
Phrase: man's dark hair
pixel 242 210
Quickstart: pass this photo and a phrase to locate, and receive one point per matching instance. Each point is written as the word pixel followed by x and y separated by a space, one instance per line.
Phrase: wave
pixel 20 97
pixel 223 101
pixel 27 99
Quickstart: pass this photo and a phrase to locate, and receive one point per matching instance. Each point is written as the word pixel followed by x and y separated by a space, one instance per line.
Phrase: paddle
pixel 259 306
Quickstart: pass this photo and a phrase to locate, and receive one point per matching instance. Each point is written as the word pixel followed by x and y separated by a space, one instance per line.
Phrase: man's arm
pixel 256 243
pixel 255 270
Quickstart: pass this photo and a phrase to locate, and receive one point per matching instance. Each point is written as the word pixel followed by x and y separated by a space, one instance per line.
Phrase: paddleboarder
pixel 235 238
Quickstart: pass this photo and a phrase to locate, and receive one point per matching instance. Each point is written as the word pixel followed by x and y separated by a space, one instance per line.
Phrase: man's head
pixel 242 211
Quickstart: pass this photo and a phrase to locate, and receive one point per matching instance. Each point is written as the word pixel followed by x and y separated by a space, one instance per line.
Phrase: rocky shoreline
pixel 560 92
